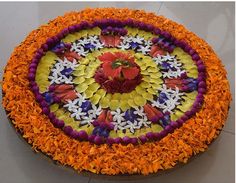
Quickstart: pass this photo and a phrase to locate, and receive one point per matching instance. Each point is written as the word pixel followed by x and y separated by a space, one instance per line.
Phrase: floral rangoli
pixel 114 81
pixel 107 87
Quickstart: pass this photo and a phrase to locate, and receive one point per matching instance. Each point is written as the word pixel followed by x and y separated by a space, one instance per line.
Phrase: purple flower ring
pixel 62 78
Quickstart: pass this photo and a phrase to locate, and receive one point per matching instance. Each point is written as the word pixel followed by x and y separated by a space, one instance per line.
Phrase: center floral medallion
pixel 118 83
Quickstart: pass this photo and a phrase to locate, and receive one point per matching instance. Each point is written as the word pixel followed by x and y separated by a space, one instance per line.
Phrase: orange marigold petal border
pixel 193 137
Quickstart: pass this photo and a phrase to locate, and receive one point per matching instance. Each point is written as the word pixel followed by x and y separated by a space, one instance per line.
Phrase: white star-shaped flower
pixel 126 39
pixel 138 39
pixel 144 49
pixel 168 57
pixel 118 116
pixel 95 111
pixel 124 46
pixel 143 122
pixel 79 49
pixel 57 77
pixel 78 114
pixel 72 105
pixel 139 111
pixel 86 120
pixel 173 97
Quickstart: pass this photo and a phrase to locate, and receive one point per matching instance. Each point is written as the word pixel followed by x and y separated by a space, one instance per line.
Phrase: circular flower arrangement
pixel 116 95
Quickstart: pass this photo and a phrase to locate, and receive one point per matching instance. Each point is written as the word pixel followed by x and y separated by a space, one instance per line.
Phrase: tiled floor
pixel 213 22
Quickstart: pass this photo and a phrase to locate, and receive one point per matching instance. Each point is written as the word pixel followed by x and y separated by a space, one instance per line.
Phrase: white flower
pixel 80 99
pixel 78 46
pixel 93 39
pixel 60 65
pixel 118 116
pixel 98 45
pixel 139 111
pixel 148 43
pixel 79 49
pixel 175 64
pixel 175 69
pixel 172 99
pixel 143 122
pixel 86 120
pixel 121 124
pixel 168 57
pixel 78 114
pixel 83 41
pixel 123 46
pixel 131 126
pixel 137 39
pixel 126 39
pixel 144 49
pixel 158 59
pixel 95 111
pixel 72 105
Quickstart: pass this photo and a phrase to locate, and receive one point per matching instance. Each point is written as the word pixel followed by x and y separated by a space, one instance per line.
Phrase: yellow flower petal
pixel 54 107
pixel 152 91
pixel 114 104
pixel 145 84
pixel 79 73
pixel 139 100
pixel 125 96
pixel 156 128
pixel 139 89
pixel 84 61
pixel 81 67
pixel 146 78
pixel 191 95
pixel 124 105
pixel 95 99
pixel 93 87
pixel 116 96
pixel 145 72
pixel 131 103
pixel 104 102
pixel 88 93
pixel 79 80
pixel 147 96
pixel 155 75
pixel 101 92
pixel 81 87
pixel 152 70
pixel 173 117
pixel 89 81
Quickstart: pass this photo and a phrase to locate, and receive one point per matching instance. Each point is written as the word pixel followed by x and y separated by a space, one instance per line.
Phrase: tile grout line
pixel 160 8
pixel 89 179
pixel 232 133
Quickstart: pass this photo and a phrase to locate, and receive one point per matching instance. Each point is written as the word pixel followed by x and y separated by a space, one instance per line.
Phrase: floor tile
pixel 215 23
pixel 12 15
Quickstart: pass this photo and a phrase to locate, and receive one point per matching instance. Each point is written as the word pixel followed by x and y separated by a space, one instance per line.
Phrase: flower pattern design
pixel 123 83
pixel 215 98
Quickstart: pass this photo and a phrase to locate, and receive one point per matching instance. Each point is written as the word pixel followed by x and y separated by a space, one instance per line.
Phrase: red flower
pixel 156 50
pixel 173 83
pixel 119 65
pixel 110 40
pixel 65 92
pixel 70 56
pixel 105 116
pixel 116 85
pixel 153 114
